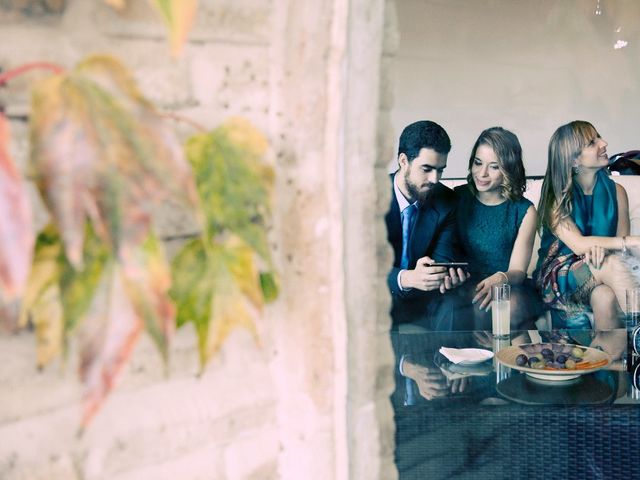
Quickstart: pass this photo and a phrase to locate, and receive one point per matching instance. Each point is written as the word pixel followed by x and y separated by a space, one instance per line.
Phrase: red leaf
pixel 107 338
pixel 16 248
pixel 101 151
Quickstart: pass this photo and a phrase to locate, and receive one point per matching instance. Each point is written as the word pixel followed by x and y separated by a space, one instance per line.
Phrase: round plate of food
pixel 553 361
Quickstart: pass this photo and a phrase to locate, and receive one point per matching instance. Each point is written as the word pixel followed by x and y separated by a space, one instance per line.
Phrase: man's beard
pixel 416 194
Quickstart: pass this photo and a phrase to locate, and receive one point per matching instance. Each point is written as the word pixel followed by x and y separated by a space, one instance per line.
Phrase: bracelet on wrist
pixel 506 278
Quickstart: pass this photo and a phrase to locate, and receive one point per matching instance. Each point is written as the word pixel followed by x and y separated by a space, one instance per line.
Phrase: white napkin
pixel 466 355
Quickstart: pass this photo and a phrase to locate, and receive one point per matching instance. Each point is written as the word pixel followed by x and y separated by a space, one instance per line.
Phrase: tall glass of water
pixel 632 311
pixel 632 318
pixel 501 310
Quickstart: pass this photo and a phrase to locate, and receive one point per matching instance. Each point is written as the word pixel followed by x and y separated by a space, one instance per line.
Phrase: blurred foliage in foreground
pixel 104 160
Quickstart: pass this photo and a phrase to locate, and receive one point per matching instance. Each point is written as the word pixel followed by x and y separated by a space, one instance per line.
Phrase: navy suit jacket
pixel 434 234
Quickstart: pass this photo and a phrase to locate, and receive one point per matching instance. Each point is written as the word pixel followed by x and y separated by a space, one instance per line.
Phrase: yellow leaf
pixel 245 136
pixel 178 15
pixel 229 310
pixel 45 272
pixel 47 317
pixel 237 295
pixel 42 302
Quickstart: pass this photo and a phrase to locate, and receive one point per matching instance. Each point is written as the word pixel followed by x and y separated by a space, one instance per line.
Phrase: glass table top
pixel 487 420
pixel 427 375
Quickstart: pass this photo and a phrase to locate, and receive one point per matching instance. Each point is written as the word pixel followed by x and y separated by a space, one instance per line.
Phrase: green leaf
pixel 234 182
pixel 269 286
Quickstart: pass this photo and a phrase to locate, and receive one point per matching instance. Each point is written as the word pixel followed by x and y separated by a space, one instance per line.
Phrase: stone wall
pixel 311 401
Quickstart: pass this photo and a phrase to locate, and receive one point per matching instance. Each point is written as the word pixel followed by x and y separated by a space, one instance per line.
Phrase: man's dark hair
pixel 423 134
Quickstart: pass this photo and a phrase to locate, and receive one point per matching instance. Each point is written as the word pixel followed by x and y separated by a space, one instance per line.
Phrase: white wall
pixel 527 65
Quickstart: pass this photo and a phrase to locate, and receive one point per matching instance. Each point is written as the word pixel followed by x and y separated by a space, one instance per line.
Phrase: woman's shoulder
pixel 523 203
pixel 463 192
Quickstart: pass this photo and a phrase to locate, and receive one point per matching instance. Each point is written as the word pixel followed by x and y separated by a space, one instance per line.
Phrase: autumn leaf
pixel 217 287
pixel 16 247
pixel 107 338
pixel 234 182
pixel 42 303
pixel 100 151
pixel 178 16
pixel 57 295
pixel 147 279
pixel 223 278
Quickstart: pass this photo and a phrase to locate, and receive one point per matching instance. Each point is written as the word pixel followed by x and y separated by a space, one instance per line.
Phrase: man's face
pixel 422 174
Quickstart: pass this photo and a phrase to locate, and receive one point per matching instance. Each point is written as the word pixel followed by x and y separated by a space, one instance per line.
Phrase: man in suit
pixel 421 228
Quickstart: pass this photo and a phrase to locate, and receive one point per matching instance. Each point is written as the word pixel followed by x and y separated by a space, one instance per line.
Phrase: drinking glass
pixel 501 310
pixel 632 312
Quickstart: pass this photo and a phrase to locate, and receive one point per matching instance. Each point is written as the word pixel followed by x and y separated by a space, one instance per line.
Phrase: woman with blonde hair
pixel 496 226
pixel 584 216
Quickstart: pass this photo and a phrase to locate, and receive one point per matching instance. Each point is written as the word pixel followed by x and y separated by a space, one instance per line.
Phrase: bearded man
pixel 421 228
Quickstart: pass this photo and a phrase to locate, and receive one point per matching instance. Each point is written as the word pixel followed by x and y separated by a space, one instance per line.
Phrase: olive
pixel 570 364
pixel 521 359
pixel 561 358
pixel 547 353
pixel 538 365
pixel 577 352
pixel 533 360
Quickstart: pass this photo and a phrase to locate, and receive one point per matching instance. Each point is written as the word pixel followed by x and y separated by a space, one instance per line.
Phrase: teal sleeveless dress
pixel 487 234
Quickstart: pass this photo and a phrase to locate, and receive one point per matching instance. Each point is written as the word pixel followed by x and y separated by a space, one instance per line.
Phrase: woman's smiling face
pixel 485 170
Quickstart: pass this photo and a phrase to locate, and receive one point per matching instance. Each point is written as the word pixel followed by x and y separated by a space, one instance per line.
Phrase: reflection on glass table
pixel 489 420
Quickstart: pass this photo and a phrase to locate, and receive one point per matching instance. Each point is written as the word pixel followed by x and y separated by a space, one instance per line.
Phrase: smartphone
pixel 450 264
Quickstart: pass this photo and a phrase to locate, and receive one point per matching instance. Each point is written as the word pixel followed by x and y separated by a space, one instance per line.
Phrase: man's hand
pixel 425 277
pixel 431 382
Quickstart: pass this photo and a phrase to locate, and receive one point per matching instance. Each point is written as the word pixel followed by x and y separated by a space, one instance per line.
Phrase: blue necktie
pixel 408 214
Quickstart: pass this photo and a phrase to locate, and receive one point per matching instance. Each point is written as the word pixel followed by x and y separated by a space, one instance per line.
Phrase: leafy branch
pixel 103 161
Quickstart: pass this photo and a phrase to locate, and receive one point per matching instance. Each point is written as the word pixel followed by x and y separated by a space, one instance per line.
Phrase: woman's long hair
pixel 508 151
pixel 565 147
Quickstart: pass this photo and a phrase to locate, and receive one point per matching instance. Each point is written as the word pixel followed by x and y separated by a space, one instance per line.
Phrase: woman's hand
pixel 595 256
pixel 483 290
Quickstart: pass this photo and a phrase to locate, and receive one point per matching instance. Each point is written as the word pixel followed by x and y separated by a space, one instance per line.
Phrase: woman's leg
pixel 606 310
pixel 615 274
